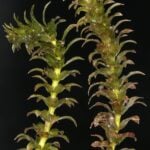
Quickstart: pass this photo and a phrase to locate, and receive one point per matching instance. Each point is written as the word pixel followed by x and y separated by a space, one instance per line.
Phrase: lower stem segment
pixel 44 139
pixel 47 127
pixel 117 122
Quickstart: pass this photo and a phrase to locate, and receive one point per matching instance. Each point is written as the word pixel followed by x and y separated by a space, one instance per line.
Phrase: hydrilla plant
pixel 41 43
pixel 109 60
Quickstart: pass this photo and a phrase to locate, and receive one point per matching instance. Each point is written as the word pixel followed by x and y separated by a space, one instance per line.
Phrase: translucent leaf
pixel 67 118
pixel 84 30
pixel 36 70
pixel 127 62
pixel 30 146
pixel 55 133
pixel 117 14
pixel 37 96
pixel 67 101
pixel 126 77
pixel 121 55
pixel 37 113
pixel 128 149
pixel 119 23
pixel 92 86
pixel 67 30
pixel 126 42
pixel 89 40
pixel 112 7
pixel 91 55
pixel 98 136
pixel 38 58
pixel 41 85
pixel 40 77
pixel 99 93
pixel 73 42
pixel 130 85
pixel 106 106
pixel 68 86
pixel 125 135
pixel 23 136
pixel 100 144
pixel 44 11
pixel 95 74
pixel 97 62
pixel 124 122
pixel 122 32
pixel 106 2
pixel 76 58
pixel 79 10
pixel 130 102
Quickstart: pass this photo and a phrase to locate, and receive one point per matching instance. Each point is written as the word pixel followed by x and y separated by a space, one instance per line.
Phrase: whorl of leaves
pixel 41 44
pixel 109 59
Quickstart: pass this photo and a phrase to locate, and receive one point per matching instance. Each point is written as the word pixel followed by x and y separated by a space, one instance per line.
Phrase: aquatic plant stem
pixel 47 127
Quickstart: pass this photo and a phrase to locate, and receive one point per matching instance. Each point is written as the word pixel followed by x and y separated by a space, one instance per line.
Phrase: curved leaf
pixel 76 58
pixel 67 118
pixel 106 106
pixel 126 77
pixel 124 122
pixel 112 7
pixel 44 12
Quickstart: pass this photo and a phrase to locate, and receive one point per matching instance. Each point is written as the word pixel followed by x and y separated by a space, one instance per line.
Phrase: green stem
pixel 117 122
pixel 47 127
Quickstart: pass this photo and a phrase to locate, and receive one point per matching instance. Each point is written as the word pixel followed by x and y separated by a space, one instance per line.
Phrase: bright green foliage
pixel 109 59
pixel 41 43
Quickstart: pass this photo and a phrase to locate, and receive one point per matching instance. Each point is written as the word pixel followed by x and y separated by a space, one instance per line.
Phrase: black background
pixel 16 85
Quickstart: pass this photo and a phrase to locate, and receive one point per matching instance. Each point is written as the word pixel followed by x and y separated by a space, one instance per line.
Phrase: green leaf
pixel 92 86
pixel 67 101
pixel 90 40
pixel 40 70
pixel 73 42
pixel 23 136
pixel 67 30
pixel 42 85
pixel 38 97
pixel 44 12
pixel 76 58
pixel 37 113
pixel 96 73
pixel 55 133
pixel 38 58
pixel 92 54
pixel 40 78
pixel 99 93
pixel 67 73
pixel 84 30
pixel 69 86
pixel 67 118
